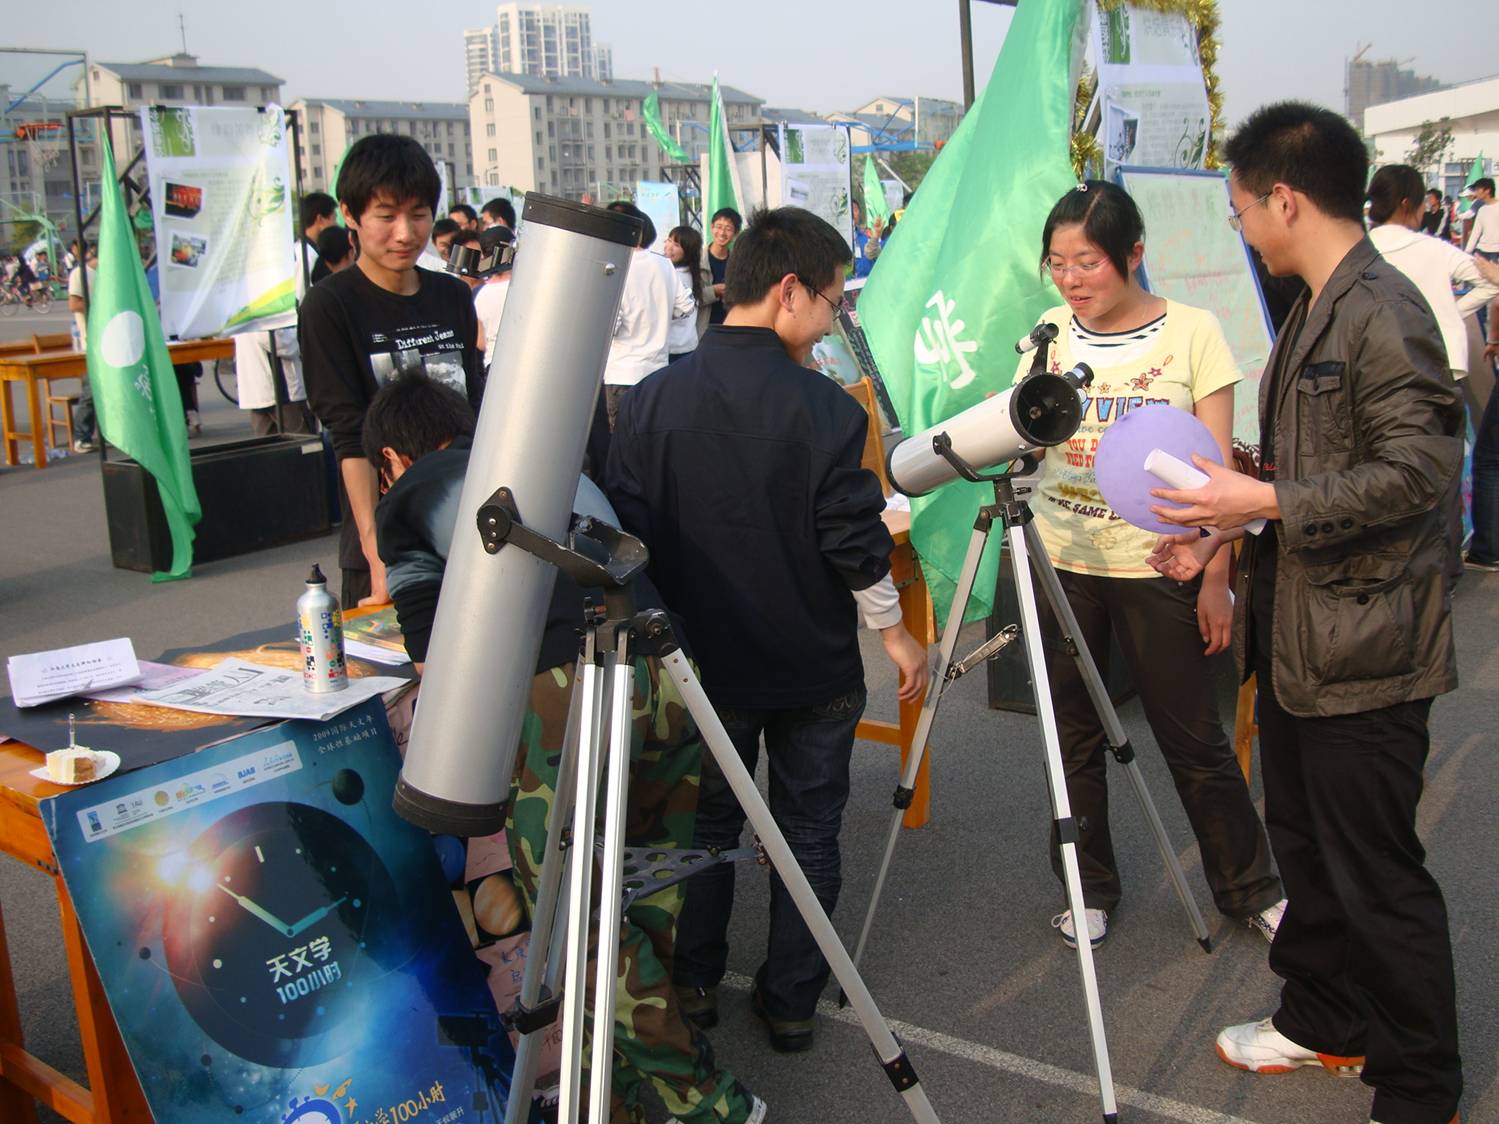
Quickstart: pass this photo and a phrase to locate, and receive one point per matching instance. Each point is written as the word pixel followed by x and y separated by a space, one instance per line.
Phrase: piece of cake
pixel 73 765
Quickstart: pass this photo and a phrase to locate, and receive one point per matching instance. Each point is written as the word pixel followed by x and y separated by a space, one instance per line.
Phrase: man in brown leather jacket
pixel 1342 614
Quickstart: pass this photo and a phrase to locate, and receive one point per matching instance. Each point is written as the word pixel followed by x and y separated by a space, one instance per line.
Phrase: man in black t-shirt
pixel 360 328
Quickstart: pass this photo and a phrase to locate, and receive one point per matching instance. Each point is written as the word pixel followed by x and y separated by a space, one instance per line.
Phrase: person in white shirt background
pixel 645 311
pixel 489 297
pixel 1396 206
pixel 1483 235
pixel 254 363
pixel 1396 197
pixel 689 319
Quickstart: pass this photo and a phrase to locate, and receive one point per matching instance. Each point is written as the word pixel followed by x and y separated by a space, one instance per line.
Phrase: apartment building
pixel 329 125
pixel 570 136
pixel 544 40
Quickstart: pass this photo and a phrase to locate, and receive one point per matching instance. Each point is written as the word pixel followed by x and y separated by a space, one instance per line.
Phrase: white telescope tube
pixel 1039 411
pixel 543 383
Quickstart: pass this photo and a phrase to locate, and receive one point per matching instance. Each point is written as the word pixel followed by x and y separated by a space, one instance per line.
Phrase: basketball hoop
pixel 46 141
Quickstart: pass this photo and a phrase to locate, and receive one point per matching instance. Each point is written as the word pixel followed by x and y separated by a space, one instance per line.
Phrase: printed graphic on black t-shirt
pixel 431 349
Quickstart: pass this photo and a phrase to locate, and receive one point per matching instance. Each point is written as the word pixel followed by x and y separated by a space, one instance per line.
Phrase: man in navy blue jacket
pixel 740 470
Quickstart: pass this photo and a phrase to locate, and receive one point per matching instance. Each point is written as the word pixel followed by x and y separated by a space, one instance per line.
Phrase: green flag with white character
pixel 135 389
pixel 960 281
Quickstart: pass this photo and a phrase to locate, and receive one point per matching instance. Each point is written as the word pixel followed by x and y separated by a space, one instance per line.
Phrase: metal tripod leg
pixel 579 887
pixel 611 876
pixel 892 1056
pixel 548 928
pixel 1061 809
pixel 939 684
pixel 1113 728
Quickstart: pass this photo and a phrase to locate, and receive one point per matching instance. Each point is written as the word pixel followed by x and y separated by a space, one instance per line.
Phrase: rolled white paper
pixel 1177 473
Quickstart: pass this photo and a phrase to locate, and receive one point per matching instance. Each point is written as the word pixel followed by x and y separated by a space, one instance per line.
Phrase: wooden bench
pixel 52 341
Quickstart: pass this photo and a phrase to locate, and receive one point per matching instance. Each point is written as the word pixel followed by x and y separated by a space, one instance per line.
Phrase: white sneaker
pixel 1098 926
pixel 1267 921
pixel 194 424
pixel 1260 1048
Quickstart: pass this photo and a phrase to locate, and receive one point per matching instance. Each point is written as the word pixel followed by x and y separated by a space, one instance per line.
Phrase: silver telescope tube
pixel 1039 411
pixel 533 425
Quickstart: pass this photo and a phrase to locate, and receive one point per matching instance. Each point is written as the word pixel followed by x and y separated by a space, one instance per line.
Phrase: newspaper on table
pixel 239 687
pixel 43 677
pixel 154 676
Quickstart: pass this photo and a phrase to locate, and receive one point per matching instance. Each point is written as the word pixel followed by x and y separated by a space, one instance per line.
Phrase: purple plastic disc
pixel 1119 463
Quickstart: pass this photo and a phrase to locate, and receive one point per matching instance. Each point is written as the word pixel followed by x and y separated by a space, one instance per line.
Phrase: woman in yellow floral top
pixel 1142 349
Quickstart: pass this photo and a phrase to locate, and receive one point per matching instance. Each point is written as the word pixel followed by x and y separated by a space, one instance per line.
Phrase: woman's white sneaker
pixel 1267 921
pixel 1098 926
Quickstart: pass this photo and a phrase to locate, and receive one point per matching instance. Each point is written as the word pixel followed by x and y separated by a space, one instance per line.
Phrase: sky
pixel 807 54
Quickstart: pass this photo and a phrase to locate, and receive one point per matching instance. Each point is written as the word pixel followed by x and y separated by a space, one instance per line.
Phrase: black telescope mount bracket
pixel 601 558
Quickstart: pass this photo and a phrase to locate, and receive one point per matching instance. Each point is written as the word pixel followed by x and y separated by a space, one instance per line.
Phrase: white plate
pixel 106 761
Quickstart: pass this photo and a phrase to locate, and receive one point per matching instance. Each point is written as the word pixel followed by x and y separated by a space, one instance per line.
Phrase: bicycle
pixel 227 380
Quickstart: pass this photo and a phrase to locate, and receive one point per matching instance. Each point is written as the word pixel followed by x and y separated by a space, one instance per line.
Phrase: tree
pixel 911 166
pixel 1430 144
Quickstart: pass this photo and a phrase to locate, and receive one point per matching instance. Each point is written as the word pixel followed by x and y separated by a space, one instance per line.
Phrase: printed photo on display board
pixel 273 939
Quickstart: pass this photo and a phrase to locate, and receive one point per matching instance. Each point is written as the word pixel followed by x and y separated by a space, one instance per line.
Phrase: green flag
pixel 135 390
pixel 722 188
pixel 959 281
pixel 651 108
pixel 1475 173
pixel 875 206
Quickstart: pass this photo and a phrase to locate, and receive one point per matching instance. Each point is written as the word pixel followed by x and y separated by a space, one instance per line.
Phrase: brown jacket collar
pixel 1319 316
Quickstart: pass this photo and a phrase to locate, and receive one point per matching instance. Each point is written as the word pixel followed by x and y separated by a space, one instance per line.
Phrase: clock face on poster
pixel 280 921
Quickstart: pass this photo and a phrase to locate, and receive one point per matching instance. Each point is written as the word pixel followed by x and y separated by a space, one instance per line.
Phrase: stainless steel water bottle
pixel 320 628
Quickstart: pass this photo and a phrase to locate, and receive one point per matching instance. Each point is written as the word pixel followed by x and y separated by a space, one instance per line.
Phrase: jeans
pixel 808 750
pixel 1485 544
pixel 1363 947
pixel 85 423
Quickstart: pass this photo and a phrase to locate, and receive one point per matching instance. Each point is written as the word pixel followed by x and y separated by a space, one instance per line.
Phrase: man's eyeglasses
pixel 834 305
pixel 1236 218
pixel 1058 270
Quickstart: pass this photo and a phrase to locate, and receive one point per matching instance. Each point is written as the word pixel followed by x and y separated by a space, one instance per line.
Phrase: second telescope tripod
pixel 1028 557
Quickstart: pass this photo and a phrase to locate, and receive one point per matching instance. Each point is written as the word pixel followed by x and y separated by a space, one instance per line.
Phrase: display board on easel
pixel 1194 257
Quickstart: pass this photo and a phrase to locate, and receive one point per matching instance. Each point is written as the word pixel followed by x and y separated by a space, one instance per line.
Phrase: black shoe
pixel 1481 564
pixel 700 1004
pixel 787 1036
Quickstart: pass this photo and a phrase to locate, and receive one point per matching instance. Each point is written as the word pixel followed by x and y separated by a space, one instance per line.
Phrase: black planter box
pixel 256 493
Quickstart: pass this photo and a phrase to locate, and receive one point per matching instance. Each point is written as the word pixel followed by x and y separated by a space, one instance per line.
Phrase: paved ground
pixel 18 323
pixel 964 962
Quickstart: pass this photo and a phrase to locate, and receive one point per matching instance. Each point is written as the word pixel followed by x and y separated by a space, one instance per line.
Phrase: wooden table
pixel 917 616
pixel 113 1095
pixel 34 370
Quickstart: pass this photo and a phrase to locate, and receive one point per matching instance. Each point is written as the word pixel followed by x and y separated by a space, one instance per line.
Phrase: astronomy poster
pixel 1155 105
pixel 275 943
pixel 221 199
